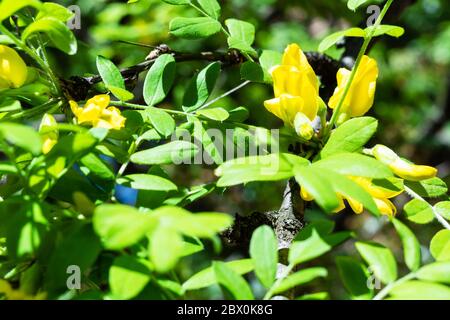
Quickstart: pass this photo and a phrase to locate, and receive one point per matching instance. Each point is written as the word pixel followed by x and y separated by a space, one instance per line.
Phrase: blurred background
pixel 412 100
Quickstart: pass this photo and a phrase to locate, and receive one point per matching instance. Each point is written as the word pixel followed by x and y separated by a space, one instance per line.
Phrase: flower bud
pixel 303 126
pixel 13 70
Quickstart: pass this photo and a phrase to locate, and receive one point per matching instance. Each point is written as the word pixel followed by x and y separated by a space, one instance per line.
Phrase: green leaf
pixel 201 87
pixel 242 35
pixel 9 7
pixel 194 28
pixel 166 246
pixel 355 4
pixel 206 277
pixel 312 242
pixel 79 247
pixel 128 276
pixel 253 71
pixel 147 182
pixel 420 290
pixel 201 134
pixel 172 152
pixel 435 272
pixel 300 278
pixel 355 277
pixel 201 225
pixel 120 93
pixel 159 79
pixel 418 211
pixel 411 246
pixel 350 189
pixel 232 282
pixel 21 136
pixel 26 230
pixel 177 2
pixel 216 114
pixel 264 252
pixel 318 186
pixel 110 74
pixel 351 136
pixel 430 188
pixel 314 296
pixel 58 32
pixel 380 260
pixel 54 10
pixel 393 31
pixel 261 72
pixel 241 30
pixel 272 167
pixel 211 7
pixel 239 114
pixel 354 164
pixel 161 121
pixel 334 38
pixel 443 208
pixel 121 226
pixel 440 246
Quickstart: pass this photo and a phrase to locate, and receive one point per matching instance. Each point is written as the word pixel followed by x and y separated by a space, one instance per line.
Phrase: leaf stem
pixel 439 218
pixel 385 291
pixel 286 272
pixel 363 50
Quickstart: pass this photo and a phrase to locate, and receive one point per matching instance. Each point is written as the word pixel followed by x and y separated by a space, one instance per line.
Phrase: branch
pixel 77 88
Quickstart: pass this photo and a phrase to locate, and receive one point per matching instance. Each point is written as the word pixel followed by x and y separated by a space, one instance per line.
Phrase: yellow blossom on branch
pixel 360 97
pixel 13 70
pixel 98 113
pixel 296 87
pixel 49 132
pixel 400 167
pixel 379 195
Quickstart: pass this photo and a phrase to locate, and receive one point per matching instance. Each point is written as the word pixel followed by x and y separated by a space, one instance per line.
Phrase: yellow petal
pixel 13 69
pixel 74 107
pixel 290 106
pixel 101 100
pixel 362 91
pixel 90 113
pixel 361 94
pixel 274 106
pixel 341 205
pixel 385 207
pixel 286 79
pixel 116 120
pixel 356 206
pixel 305 195
pixel 294 56
pixel 412 172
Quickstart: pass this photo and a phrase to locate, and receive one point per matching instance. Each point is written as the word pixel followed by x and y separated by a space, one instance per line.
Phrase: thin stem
pixel 439 218
pixel 385 291
pixel 203 118
pixel 363 50
pixel 287 271
pixel 225 95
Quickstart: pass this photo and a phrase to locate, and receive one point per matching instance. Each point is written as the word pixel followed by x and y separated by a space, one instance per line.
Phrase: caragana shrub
pixel 68 146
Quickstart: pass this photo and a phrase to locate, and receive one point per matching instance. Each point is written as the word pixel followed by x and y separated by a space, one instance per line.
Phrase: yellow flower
pixel 379 195
pixel 49 133
pixel 360 97
pixel 400 167
pixel 13 70
pixel 296 87
pixel 97 113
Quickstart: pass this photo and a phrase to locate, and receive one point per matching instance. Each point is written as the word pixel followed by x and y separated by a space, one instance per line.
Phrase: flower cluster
pixel 297 103
pixel 98 113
